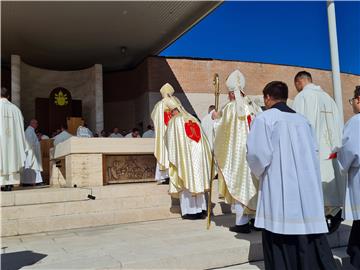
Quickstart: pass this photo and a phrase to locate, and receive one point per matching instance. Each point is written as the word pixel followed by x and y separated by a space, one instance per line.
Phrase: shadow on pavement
pixel 17 260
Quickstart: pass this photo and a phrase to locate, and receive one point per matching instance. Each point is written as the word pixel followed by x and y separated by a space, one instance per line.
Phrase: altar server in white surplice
pixel 189 160
pixel 236 184
pixel 282 153
pixel 321 111
pixel 349 158
pixel 12 142
pixel 33 164
pixel 161 117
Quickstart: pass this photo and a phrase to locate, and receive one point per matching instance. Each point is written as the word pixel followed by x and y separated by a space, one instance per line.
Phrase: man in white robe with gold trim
pixel 322 112
pixel 236 184
pixel 160 117
pixel 33 163
pixel 12 142
pixel 189 160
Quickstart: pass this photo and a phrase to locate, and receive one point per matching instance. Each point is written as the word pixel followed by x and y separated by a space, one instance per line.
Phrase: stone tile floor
pixel 164 244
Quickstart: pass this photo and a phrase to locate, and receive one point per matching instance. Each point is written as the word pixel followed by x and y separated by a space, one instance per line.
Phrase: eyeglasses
pixel 351 100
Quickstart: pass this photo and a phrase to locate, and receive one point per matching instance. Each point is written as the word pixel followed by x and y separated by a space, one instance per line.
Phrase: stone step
pixel 54 195
pixel 52 209
pixel 341 257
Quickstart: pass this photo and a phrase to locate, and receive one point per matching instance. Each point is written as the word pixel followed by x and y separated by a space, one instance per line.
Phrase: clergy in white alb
pixel 282 152
pixel 62 136
pixel 349 159
pixel 236 184
pixel 321 111
pixel 33 163
pixel 189 160
pixel 160 116
pixel 12 142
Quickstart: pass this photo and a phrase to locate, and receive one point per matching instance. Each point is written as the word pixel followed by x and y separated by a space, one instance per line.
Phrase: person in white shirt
pixel 116 134
pixel 150 133
pixel 62 136
pixel 282 153
pixel 349 159
pixel 135 133
pixel 84 132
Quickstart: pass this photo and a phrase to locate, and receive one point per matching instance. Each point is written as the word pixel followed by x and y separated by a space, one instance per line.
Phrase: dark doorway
pixel 53 112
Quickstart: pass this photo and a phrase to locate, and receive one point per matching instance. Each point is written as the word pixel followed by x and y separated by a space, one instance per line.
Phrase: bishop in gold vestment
pixel 160 117
pixel 189 160
pixel 236 183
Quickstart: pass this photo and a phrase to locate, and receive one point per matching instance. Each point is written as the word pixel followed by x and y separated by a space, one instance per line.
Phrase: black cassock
pixel 354 244
pixel 297 252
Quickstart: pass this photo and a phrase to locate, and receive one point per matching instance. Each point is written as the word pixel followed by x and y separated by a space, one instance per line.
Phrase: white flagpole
pixel 335 57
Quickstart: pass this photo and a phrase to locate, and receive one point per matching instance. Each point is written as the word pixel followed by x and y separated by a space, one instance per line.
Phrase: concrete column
pixel 99 104
pixel 15 79
pixel 335 57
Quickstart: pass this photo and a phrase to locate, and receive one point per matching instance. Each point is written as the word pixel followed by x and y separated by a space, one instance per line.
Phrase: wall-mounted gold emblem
pixel 61 99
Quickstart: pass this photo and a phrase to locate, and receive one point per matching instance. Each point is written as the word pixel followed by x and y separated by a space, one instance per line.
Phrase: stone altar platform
pixel 90 162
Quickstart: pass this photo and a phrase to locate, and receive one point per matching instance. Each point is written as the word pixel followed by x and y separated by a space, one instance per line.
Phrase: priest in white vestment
pixel 62 136
pixel 236 184
pixel 189 160
pixel 321 111
pixel 12 142
pixel 33 163
pixel 160 117
pixel 349 159
pixel 282 152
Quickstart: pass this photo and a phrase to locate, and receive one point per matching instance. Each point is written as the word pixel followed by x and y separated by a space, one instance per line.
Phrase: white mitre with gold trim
pixel 167 90
pixel 236 83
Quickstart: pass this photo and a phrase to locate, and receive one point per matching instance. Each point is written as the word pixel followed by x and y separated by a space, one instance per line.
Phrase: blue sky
pixel 292 33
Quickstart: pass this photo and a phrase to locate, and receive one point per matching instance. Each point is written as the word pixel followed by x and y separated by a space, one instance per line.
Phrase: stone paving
pixel 166 244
